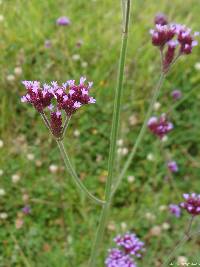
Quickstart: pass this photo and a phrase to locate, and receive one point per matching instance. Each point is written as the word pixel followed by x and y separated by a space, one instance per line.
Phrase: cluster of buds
pixel 160 19
pixel 173 40
pixel 67 97
pixel 191 204
pixel 130 245
pixel 160 126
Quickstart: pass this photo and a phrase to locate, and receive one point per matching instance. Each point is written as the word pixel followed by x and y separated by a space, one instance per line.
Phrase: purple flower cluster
pixel 191 204
pixel 160 126
pixel 173 40
pixel 118 258
pixel 175 209
pixel 68 97
pixel 172 166
pixel 130 245
pixel 39 97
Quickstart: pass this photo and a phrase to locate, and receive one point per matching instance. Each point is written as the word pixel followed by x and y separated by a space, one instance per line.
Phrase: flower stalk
pixel 140 135
pixel 113 138
pixel 68 164
pixel 73 174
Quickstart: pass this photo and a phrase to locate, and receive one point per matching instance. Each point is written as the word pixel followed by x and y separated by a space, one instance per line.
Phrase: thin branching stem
pixel 140 135
pixel 69 166
pixel 187 235
pixel 113 138
pixel 23 256
pixel 66 123
pixel 73 174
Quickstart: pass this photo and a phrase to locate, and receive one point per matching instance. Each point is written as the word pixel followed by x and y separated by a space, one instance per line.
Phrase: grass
pixel 44 239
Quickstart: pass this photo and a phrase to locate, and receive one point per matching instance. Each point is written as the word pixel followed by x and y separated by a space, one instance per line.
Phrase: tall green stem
pixel 140 135
pixel 113 138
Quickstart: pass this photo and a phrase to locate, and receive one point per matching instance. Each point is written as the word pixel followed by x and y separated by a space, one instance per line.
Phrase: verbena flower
pixel 175 209
pixel 160 126
pixel 26 210
pixel 191 204
pixel 173 40
pixel 160 19
pixel 130 243
pixel 176 94
pixel 68 97
pixel 63 21
pixel 40 97
pixel 186 39
pixel 162 34
pixel 172 166
pixel 118 258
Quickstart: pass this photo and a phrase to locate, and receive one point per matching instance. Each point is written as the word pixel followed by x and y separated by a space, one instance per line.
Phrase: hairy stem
pixel 73 174
pixel 113 137
pixel 140 135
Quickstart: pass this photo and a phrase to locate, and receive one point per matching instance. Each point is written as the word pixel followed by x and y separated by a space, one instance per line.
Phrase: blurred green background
pixel 32 172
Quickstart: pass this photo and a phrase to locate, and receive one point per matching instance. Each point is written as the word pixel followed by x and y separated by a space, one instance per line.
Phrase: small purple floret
pixel 63 21
pixel 176 94
pixel 26 210
pixel 172 166
pixel 175 209
pixel 48 44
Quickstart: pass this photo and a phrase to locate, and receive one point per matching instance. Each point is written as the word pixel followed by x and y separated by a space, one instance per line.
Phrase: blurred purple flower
pixel 175 209
pixel 63 21
pixel 191 204
pixel 47 44
pixel 172 166
pixel 117 258
pixel 26 210
pixel 160 126
pixel 130 243
pixel 160 19
pixel 176 94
